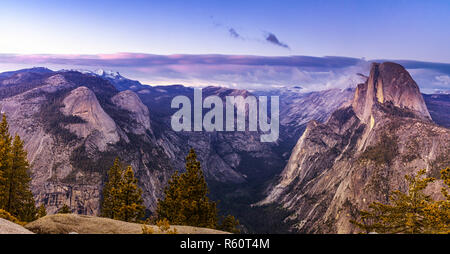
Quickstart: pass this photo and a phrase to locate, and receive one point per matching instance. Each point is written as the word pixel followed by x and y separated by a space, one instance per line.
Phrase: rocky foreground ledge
pixel 82 224
pixel 8 227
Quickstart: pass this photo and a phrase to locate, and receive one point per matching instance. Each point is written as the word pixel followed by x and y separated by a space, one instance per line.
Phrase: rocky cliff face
pixel 360 154
pixel 99 126
pixel 389 83
pixel 296 110
pixel 129 101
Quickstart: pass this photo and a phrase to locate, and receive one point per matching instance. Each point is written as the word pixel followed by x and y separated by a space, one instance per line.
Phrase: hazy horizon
pixel 233 71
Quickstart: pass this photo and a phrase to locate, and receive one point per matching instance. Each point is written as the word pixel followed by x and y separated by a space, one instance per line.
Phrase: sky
pixel 37 31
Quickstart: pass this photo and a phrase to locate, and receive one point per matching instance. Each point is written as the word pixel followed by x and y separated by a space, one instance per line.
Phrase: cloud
pixel 270 37
pixel 267 36
pixel 234 34
pixel 443 79
pixel 140 60
pixel 242 71
pixel 231 31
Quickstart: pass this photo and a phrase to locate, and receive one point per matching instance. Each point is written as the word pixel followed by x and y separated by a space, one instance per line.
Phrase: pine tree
pixel 413 212
pixel 230 224
pixel 122 198
pixel 5 162
pixel 437 214
pixel 41 211
pixel 111 201
pixel 170 208
pixel 15 193
pixel 131 208
pixel 186 201
pixel 20 201
pixel 64 209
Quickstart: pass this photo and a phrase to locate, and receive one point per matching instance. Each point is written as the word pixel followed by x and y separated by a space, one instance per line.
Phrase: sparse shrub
pixel 147 229
pixel 164 226
pixel 7 216
pixel 383 152
pixel 64 209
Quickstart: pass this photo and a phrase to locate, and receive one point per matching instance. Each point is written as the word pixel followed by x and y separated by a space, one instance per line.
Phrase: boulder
pixel 8 227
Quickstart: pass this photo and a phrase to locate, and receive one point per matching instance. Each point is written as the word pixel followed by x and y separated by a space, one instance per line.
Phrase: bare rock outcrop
pixel 389 83
pixel 8 227
pixel 83 103
pixel 129 101
pixel 82 224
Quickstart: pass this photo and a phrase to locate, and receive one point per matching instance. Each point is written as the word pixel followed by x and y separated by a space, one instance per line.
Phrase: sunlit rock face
pixel 389 83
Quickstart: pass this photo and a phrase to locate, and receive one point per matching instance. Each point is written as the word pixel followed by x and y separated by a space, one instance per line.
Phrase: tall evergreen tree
pixel 186 199
pixel 131 196
pixel 5 161
pixel 15 193
pixel 20 201
pixel 122 198
pixel 170 208
pixel 111 201
pixel 230 224
pixel 41 211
